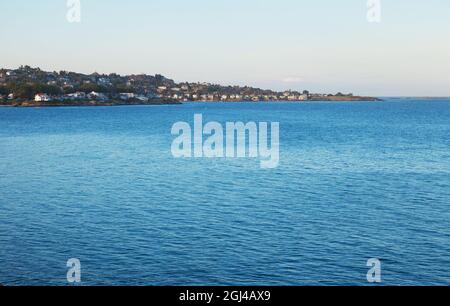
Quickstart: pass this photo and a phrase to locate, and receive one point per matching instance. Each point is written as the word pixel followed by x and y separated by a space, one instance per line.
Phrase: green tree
pixel 124 88
pixel 4 90
pixel 90 87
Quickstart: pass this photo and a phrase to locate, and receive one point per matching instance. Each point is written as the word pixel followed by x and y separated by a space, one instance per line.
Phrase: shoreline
pixel 31 104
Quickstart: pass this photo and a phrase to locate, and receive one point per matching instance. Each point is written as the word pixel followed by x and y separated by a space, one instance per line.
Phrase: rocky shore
pixel 83 103
pixel 167 102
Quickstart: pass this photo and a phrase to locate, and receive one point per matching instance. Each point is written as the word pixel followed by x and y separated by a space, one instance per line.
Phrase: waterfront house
pixel 127 96
pixel 303 97
pixel 42 97
pixel 97 96
pixel 142 98
pixel 76 96
pixel 11 96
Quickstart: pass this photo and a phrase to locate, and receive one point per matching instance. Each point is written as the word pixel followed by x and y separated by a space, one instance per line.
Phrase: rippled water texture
pixel 355 181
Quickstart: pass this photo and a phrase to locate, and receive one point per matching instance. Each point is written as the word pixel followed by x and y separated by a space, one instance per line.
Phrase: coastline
pixel 112 103
pixel 33 87
pixel 160 103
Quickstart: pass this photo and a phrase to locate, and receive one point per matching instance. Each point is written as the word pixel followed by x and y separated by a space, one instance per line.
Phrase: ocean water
pixel 355 181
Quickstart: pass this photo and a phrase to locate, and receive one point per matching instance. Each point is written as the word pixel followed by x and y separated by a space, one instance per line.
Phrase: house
pixel 104 81
pixel 127 96
pixel 97 96
pixel 303 97
pixel 142 98
pixel 41 97
pixel 11 96
pixel 76 96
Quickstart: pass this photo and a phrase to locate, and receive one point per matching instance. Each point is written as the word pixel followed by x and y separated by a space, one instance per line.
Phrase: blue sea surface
pixel 355 181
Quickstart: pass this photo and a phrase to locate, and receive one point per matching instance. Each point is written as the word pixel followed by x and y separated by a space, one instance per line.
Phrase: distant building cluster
pixel 28 83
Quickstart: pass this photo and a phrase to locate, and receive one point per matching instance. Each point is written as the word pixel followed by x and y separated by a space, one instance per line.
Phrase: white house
pixel 76 96
pixel 97 96
pixel 303 97
pixel 41 97
pixel 142 98
pixel 104 81
pixel 11 96
pixel 127 96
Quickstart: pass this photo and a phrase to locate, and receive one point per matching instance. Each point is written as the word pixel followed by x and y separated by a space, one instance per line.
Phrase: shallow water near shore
pixel 356 180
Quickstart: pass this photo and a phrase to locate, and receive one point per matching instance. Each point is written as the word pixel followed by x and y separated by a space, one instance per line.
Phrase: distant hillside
pixel 27 84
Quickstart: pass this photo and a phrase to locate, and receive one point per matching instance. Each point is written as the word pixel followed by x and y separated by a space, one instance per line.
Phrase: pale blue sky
pixel 320 45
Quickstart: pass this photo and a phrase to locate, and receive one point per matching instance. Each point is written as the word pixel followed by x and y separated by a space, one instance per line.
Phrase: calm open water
pixel 356 181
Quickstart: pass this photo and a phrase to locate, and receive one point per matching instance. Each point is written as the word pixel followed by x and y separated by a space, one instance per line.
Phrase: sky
pixel 323 46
